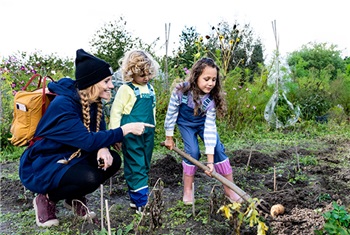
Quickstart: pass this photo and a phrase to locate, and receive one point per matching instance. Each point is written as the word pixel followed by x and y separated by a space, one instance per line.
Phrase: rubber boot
pixel 188 197
pixel 229 193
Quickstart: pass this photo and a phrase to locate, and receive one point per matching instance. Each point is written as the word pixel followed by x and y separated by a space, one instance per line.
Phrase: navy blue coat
pixel 63 132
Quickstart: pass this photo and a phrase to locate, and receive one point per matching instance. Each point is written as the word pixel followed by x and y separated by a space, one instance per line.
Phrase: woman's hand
pixel 136 128
pixel 118 146
pixel 103 155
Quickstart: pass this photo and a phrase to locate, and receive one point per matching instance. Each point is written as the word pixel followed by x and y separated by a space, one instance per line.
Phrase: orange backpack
pixel 29 107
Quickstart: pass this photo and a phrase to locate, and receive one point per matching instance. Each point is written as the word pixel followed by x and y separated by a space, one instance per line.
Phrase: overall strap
pixel 184 98
pixel 138 94
pixel 134 88
pixel 206 102
pixel 152 94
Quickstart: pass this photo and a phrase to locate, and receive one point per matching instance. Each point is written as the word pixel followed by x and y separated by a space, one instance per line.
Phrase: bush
pixel 337 221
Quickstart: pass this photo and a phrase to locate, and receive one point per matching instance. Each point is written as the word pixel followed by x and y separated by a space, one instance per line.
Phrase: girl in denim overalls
pixel 193 107
pixel 135 101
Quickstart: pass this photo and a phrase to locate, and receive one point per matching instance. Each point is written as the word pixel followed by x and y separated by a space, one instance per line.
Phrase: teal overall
pixel 137 150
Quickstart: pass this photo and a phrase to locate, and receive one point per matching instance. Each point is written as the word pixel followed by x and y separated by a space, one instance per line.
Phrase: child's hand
pixel 211 169
pixel 169 142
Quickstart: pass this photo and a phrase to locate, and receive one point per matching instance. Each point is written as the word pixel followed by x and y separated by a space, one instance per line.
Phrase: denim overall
pixel 137 150
pixel 191 127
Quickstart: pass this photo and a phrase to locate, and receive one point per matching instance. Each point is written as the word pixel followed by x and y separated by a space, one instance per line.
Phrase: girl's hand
pixel 103 155
pixel 210 165
pixel 169 142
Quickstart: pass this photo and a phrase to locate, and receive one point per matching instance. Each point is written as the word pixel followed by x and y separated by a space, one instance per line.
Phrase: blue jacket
pixel 63 132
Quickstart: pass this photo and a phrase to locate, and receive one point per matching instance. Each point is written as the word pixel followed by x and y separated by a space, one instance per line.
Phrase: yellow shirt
pixel 124 102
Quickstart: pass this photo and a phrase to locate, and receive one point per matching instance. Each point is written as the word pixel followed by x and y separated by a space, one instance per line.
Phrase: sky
pixel 63 26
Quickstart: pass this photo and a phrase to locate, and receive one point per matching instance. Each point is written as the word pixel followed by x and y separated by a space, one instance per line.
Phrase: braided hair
pixel 88 96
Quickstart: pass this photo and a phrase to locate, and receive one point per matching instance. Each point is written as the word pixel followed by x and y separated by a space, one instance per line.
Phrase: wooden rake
pixel 214 174
pixel 219 177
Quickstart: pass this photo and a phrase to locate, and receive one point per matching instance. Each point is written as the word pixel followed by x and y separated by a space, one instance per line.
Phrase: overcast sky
pixel 63 26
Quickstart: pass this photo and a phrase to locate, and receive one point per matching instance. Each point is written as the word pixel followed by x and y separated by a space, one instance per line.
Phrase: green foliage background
pixel 315 78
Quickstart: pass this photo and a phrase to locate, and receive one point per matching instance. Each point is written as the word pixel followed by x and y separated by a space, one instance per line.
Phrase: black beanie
pixel 90 70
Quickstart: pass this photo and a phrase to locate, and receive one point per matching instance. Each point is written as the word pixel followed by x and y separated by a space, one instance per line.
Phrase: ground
pixel 305 180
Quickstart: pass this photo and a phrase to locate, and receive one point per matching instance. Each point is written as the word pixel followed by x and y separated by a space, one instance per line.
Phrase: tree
pixel 317 69
pixel 112 41
pixel 317 58
pixel 188 46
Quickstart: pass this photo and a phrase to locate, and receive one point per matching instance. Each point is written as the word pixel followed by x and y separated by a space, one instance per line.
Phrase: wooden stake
pixel 101 199
pixel 296 152
pixel 110 186
pixel 193 207
pixel 274 179
pixel 167 33
pixel 250 156
pixel 108 220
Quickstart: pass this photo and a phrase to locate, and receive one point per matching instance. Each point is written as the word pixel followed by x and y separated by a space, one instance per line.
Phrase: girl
pixel 69 156
pixel 136 101
pixel 193 107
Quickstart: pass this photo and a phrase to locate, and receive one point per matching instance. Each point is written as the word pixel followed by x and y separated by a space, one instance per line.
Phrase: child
pixel 135 100
pixel 193 107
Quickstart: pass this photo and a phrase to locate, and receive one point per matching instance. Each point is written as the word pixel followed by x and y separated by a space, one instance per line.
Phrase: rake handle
pixel 214 174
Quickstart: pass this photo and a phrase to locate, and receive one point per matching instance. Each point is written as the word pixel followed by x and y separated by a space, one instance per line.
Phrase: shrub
pixel 337 221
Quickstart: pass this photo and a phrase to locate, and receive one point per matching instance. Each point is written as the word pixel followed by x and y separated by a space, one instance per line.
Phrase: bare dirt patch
pixel 306 190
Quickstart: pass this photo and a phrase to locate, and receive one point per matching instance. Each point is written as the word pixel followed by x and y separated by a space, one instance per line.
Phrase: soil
pixel 306 190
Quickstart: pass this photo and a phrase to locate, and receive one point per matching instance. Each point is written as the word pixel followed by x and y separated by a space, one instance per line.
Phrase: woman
pixel 69 156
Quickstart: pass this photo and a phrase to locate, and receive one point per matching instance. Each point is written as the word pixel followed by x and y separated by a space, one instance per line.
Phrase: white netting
pixel 279 77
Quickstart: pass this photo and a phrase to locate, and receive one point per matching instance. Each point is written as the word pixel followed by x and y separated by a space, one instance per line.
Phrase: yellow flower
pixel 231 42
pixel 221 37
pixel 236 206
pixel 262 228
pixel 238 40
pixel 226 211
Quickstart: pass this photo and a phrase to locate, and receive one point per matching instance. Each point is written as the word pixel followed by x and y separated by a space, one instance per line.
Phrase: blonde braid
pixel 99 116
pixel 85 109
pixel 86 117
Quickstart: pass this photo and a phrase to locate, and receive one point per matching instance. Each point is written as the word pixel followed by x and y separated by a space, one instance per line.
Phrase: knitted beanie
pixel 90 70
